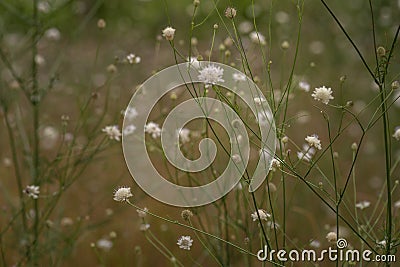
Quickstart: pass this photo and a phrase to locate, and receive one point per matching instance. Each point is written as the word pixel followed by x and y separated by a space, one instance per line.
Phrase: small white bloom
pixel 104 244
pixel 322 94
pixel 185 242
pixel 43 6
pixel 315 244
pixel 363 205
pixel 130 113
pixel 138 60
pixel 39 59
pixel 112 132
pixel 53 34
pixel 239 77
pixel 122 194
pixel 169 33
pixel 259 100
pixel 184 134
pixel 32 191
pixel 132 58
pixel 381 243
pixel 275 164
pixel 263 215
pixel 66 221
pixel 128 130
pixel 153 129
pixel 313 141
pixel 331 237
pixel 257 38
pixel 306 154
pixel 305 86
pixel 194 62
pixel 396 134
pixel 144 227
pixel 211 74
pixel 397 204
pixel 142 213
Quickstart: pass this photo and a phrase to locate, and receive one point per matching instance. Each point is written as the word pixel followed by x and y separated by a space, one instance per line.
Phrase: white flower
pixel 128 130
pixel 153 129
pixel 130 113
pixel 306 154
pixel 211 74
pixel 396 134
pixel 43 6
pixel 144 227
pixel 169 33
pixel 53 34
pixel 313 141
pixel 363 205
pixel 112 132
pixel 239 77
pixel 315 244
pixel 259 100
pixel 32 191
pixel 257 38
pixel 185 242
pixel 263 215
pixel 142 213
pixel 132 58
pixel 194 62
pixel 331 237
pixel 122 194
pixel 322 94
pixel 184 134
pixel 397 204
pixel 275 164
pixel 104 244
pixel 305 86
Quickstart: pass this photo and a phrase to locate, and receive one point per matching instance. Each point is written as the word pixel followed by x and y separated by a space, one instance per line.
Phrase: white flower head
pixel 32 191
pixel 263 215
pixel 104 244
pixel 193 61
pixel 275 164
pixel 168 33
pixel 363 205
pixel 144 227
pixel 306 154
pixel 211 74
pixel 130 113
pixel 331 237
pixel 259 100
pixel 133 59
pixel 185 242
pixel 304 86
pixel 184 135
pixel 313 141
pixel 322 94
pixel 239 77
pixel 257 38
pixel 113 132
pixel 128 130
pixel 396 134
pixel 53 34
pixel 153 129
pixel 122 194
pixel 142 213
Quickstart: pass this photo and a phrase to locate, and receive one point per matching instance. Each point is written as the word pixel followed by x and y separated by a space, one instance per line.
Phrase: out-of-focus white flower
pixel 331 237
pixel 153 129
pixel 112 132
pixel 122 194
pixel 128 130
pixel 193 61
pixel 168 33
pixel 104 244
pixel 144 227
pixel 313 141
pixel 257 38
pixel 239 77
pixel 322 94
pixel 185 242
pixel 130 113
pixel 259 100
pixel 305 86
pixel 142 213
pixel 32 191
pixel 275 164
pixel 363 205
pixel 43 6
pixel 53 34
pixel 396 134
pixel 184 135
pixel 262 213
pixel 211 74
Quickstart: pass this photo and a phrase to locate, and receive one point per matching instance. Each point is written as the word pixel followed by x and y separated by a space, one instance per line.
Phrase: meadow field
pixel 305 109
